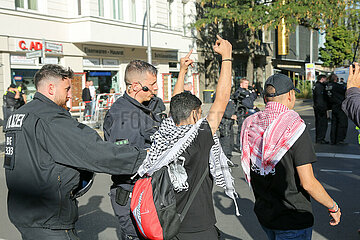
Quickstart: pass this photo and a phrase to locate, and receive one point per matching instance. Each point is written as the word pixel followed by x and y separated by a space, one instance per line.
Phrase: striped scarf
pixel 170 141
pixel 266 136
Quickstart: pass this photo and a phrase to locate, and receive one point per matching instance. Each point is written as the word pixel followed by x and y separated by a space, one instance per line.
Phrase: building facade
pixel 97 39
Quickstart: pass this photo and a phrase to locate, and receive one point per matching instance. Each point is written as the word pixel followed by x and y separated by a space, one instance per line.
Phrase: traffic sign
pixel 34 54
pixel 53 47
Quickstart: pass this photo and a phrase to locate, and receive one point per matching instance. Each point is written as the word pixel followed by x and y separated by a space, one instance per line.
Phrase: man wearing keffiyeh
pixel 277 157
pixel 187 144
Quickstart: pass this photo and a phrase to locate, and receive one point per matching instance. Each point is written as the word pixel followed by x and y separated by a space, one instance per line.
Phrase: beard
pixel 61 102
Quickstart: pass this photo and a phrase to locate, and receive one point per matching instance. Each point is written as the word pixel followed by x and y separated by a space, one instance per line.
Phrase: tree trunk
pixel 251 58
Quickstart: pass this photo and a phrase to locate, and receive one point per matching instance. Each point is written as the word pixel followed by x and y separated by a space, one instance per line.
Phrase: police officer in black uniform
pixel 46 149
pixel 244 97
pixel 226 129
pixel 157 106
pixel 339 121
pixel 128 120
pixel 320 108
pixel 11 102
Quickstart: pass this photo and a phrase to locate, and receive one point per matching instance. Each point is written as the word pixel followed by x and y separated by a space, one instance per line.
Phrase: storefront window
pixel 27 4
pixel 103 80
pixel 25 77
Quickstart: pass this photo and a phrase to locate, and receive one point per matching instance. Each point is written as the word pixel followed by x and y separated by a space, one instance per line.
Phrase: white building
pixel 96 38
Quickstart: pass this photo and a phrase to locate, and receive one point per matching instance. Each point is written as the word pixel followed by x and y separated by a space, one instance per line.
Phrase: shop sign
pixel 91 61
pixel 167 55
pixel 36 45
pixel 18 78
pixel 20 59
pixel 110 62
pixel 34 54
pixel 102 51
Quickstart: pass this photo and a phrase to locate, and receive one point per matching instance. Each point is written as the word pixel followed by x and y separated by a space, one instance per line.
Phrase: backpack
pixel 153 205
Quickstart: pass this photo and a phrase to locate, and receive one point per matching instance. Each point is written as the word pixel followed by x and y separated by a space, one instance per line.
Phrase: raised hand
pixel 186 61
pixel 223 47
pixel 354 76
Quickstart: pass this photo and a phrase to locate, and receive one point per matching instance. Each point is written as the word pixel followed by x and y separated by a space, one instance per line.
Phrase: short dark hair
pixel 269 89
pixel 333 78
pixel 54 71
pixel 139 67
pixel 182 104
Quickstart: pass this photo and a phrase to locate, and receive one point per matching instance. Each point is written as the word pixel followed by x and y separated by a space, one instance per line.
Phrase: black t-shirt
pixel 281 203
pixel 201 215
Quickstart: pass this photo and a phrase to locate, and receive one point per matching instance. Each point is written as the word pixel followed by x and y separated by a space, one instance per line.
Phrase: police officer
pixel 157 106
pixel 320 108
pixel 46 149
pixel 226 129
pixel 128 120
pixel 339 121
pixel 244 97
pixel 11 101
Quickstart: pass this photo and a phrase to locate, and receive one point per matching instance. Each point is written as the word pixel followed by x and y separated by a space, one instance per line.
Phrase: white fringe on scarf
pixel 170 141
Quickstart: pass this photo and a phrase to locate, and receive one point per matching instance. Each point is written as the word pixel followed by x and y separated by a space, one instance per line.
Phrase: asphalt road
pixel 337 168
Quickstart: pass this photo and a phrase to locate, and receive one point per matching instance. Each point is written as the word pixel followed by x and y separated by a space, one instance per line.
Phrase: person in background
pixel 320 100
pixel 11 102
pixel 339 122
pixel 277 157
pixel 92 90
pixel 86 97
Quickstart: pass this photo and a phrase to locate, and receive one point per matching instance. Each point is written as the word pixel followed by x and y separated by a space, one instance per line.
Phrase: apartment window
pixel 79 7
pixel 169 13
pixel 27 4
pixel 133 10
pixel 118 9
pixel 101 7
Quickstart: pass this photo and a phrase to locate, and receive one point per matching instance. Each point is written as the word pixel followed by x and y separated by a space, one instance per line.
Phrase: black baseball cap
pixel 281 83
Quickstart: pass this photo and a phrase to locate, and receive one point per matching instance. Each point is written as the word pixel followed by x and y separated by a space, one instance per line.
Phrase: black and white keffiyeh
pixel 170 141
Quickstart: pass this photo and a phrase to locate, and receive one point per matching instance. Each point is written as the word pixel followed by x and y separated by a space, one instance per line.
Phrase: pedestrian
pixel 277 157
pixel 130 121
pixel 86 97
pixel 47 154
pixel 320 100
pixel 339 122
pixel 190 146
pixel 11 102
pixel 93 97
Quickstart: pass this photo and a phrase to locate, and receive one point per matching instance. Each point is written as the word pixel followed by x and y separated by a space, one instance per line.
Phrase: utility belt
pixel 122 193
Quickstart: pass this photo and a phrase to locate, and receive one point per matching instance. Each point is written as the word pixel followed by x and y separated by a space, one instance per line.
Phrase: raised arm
pixel 184 65
pixel 223 89
pixel 351 104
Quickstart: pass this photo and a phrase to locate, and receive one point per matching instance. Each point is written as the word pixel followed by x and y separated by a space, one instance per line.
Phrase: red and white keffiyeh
pixel 267 135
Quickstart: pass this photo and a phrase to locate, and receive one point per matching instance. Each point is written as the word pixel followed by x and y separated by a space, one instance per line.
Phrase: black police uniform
pixel 10 104
pixel 320 108
pixel 339 121
pixel 130 121
pixel 45 150
pixel 156 105
pixel 226 130
pixel 244 98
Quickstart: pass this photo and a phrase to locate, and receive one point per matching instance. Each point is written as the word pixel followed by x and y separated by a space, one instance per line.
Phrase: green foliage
pixel 257 14
pixel 305 89
pixel 338 46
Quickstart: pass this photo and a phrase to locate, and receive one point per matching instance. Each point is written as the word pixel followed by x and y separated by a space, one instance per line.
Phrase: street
pixel 337 168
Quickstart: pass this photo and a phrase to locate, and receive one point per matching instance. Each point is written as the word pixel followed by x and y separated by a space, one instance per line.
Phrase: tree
pixel 258 14
pixel 338 46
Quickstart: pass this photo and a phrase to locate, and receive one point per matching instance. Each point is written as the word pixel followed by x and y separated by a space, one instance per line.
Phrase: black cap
pixel 13 85
pixel 281 83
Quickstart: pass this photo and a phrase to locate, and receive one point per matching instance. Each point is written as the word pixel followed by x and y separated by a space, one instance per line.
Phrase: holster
pixel 122 196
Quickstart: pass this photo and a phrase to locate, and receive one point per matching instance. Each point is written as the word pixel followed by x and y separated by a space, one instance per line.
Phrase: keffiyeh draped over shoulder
pixel 267 135
pixel 170 141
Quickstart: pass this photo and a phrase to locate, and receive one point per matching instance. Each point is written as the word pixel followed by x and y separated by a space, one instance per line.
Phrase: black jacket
pixel 320 96
pixel 45 148
pixel 336 94
pixel 245 97
pixel 86 96
pixel 127 119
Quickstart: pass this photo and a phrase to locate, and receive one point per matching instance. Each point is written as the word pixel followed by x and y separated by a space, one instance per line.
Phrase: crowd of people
pixel 50 156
